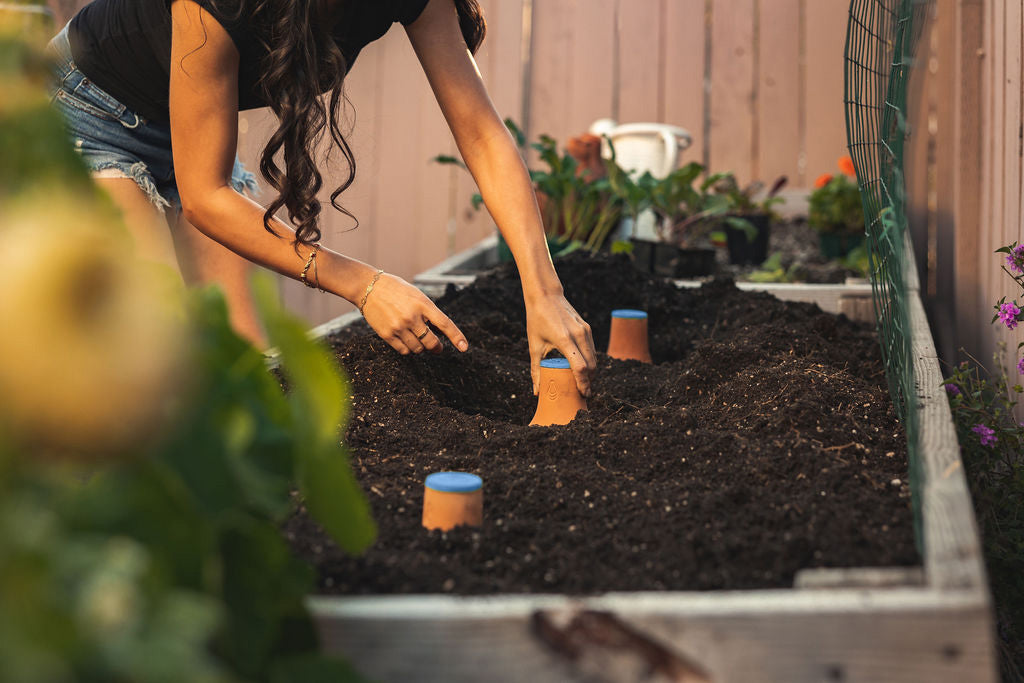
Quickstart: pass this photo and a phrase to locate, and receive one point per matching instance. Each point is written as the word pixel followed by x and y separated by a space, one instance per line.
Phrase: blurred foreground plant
pixel 147 455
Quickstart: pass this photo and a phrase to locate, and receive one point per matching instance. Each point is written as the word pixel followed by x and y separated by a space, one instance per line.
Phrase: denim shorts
pixel 114 141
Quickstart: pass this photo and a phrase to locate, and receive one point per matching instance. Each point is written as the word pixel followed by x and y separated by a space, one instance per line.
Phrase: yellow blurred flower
pixel 92 341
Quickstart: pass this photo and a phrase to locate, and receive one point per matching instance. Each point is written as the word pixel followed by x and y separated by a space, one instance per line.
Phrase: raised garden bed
pixel 732 464
pixel 850 297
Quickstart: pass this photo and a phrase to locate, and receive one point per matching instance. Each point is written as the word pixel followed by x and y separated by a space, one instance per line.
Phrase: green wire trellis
pixel 881 37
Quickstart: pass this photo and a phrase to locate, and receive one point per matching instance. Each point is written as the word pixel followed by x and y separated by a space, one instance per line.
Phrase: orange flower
pixel 823 180
pixel 846 166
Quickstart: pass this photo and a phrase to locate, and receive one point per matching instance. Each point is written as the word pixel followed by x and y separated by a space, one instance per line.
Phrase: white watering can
pixel 640 147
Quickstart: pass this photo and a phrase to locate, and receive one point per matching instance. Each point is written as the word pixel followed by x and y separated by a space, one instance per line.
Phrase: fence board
pixel 551 70
pixel 967 148
pixel 685 62
pixel 632 60
pixel 591 81
pixel 639 73
pixel 778 85
pixel 732 89
pixel 825 28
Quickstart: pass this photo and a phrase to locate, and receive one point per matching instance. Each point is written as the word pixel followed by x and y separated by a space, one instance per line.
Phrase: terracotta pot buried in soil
pixel 558 400
pixel 452 499
pixel 628 338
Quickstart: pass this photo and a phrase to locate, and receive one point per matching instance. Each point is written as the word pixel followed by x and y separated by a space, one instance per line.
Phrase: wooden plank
pixel 968 146
pixel 500 62
pixel 591 64
pixel 684 48
pixel 942 289
pixel 340 233
pixel 778 87
pixel 551 69
pixel 396 178
pixel 895 635
pixel 998 133
pixel 732 88
pixel 432 182
pixel 1013 141
pixel 640 76
pixel 825 132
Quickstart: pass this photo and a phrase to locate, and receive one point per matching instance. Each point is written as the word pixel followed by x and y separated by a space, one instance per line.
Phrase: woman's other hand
pixel 552 323
pixel 400 314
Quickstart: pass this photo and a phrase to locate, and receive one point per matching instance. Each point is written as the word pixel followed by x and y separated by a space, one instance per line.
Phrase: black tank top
pixel 124 46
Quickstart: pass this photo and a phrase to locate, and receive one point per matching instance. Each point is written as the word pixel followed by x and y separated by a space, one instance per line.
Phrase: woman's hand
pixel 399 313
pixel 552 323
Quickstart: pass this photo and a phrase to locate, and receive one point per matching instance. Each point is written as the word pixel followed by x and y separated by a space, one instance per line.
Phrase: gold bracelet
pixel 309 262
pixel 369 288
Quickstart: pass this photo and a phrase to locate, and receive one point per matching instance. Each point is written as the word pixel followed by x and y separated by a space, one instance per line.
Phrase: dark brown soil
pixel 760 442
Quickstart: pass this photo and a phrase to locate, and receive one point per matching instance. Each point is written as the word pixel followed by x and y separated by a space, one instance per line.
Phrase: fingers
pixel 580 369
pixel 447 327
pixel 410 341
pixel 585 343
pixel 535 369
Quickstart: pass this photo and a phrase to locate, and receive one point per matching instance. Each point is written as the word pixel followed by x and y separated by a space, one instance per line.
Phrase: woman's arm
pixel 493 159
pixel 204 122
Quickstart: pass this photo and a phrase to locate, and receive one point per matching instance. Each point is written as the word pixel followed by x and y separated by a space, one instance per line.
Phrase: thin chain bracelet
pixel 369 288
pixel 305 269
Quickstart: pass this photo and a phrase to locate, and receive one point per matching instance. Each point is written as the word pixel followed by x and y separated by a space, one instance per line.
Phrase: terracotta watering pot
pixel 628 338
pixel 558 400
pixel 452 499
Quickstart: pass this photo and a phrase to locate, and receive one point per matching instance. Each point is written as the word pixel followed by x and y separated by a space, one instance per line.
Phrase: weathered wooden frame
pixel 931 623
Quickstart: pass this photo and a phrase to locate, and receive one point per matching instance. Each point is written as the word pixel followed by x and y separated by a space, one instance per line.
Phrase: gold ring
pixel 424 334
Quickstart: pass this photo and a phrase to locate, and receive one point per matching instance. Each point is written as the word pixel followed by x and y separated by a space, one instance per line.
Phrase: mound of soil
pixel 760 442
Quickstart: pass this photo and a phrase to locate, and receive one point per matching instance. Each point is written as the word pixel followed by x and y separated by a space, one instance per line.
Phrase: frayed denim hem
pixel 138 172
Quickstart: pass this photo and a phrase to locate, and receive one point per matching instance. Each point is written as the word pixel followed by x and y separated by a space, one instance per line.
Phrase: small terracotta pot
pixel 452 499
pixel 628 338
pixel 558 400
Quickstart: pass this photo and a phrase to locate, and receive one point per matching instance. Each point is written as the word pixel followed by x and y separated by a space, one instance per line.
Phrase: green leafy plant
pixel 742 203
pixel 835 205
pixel 578 209
pixel 167 563
pixel 991 438
pixel 774 270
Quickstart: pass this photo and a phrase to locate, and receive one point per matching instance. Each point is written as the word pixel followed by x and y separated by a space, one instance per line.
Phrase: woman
pixel 151 90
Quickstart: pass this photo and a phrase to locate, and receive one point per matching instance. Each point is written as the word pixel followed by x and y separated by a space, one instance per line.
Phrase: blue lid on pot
pixel 454 482
pixel 628 313
pixel 555 363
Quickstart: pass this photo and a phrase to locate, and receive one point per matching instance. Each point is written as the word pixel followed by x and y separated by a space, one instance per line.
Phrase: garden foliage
pixel 992 444
pixel 835 206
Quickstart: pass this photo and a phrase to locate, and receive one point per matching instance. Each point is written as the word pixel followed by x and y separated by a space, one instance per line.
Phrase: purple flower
pixel 954 390
pixel 1015 259
pixel 987 434
pixel 1008 313
pixel 1020 367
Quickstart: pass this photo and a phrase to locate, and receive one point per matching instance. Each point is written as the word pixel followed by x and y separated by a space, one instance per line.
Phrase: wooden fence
pixel 757 82
pixel 965 180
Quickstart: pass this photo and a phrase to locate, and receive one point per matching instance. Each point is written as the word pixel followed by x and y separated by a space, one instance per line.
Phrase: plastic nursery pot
pixel 558 400
pixel 452 499
pixel 628 338
pixel 744 251
pixel 838 245
pixel 668 260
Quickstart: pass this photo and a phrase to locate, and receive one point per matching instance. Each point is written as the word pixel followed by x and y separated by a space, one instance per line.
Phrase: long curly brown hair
pixel 302 62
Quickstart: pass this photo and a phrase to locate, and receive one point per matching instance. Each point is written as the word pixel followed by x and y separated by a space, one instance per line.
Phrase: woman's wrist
pixel 346 277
